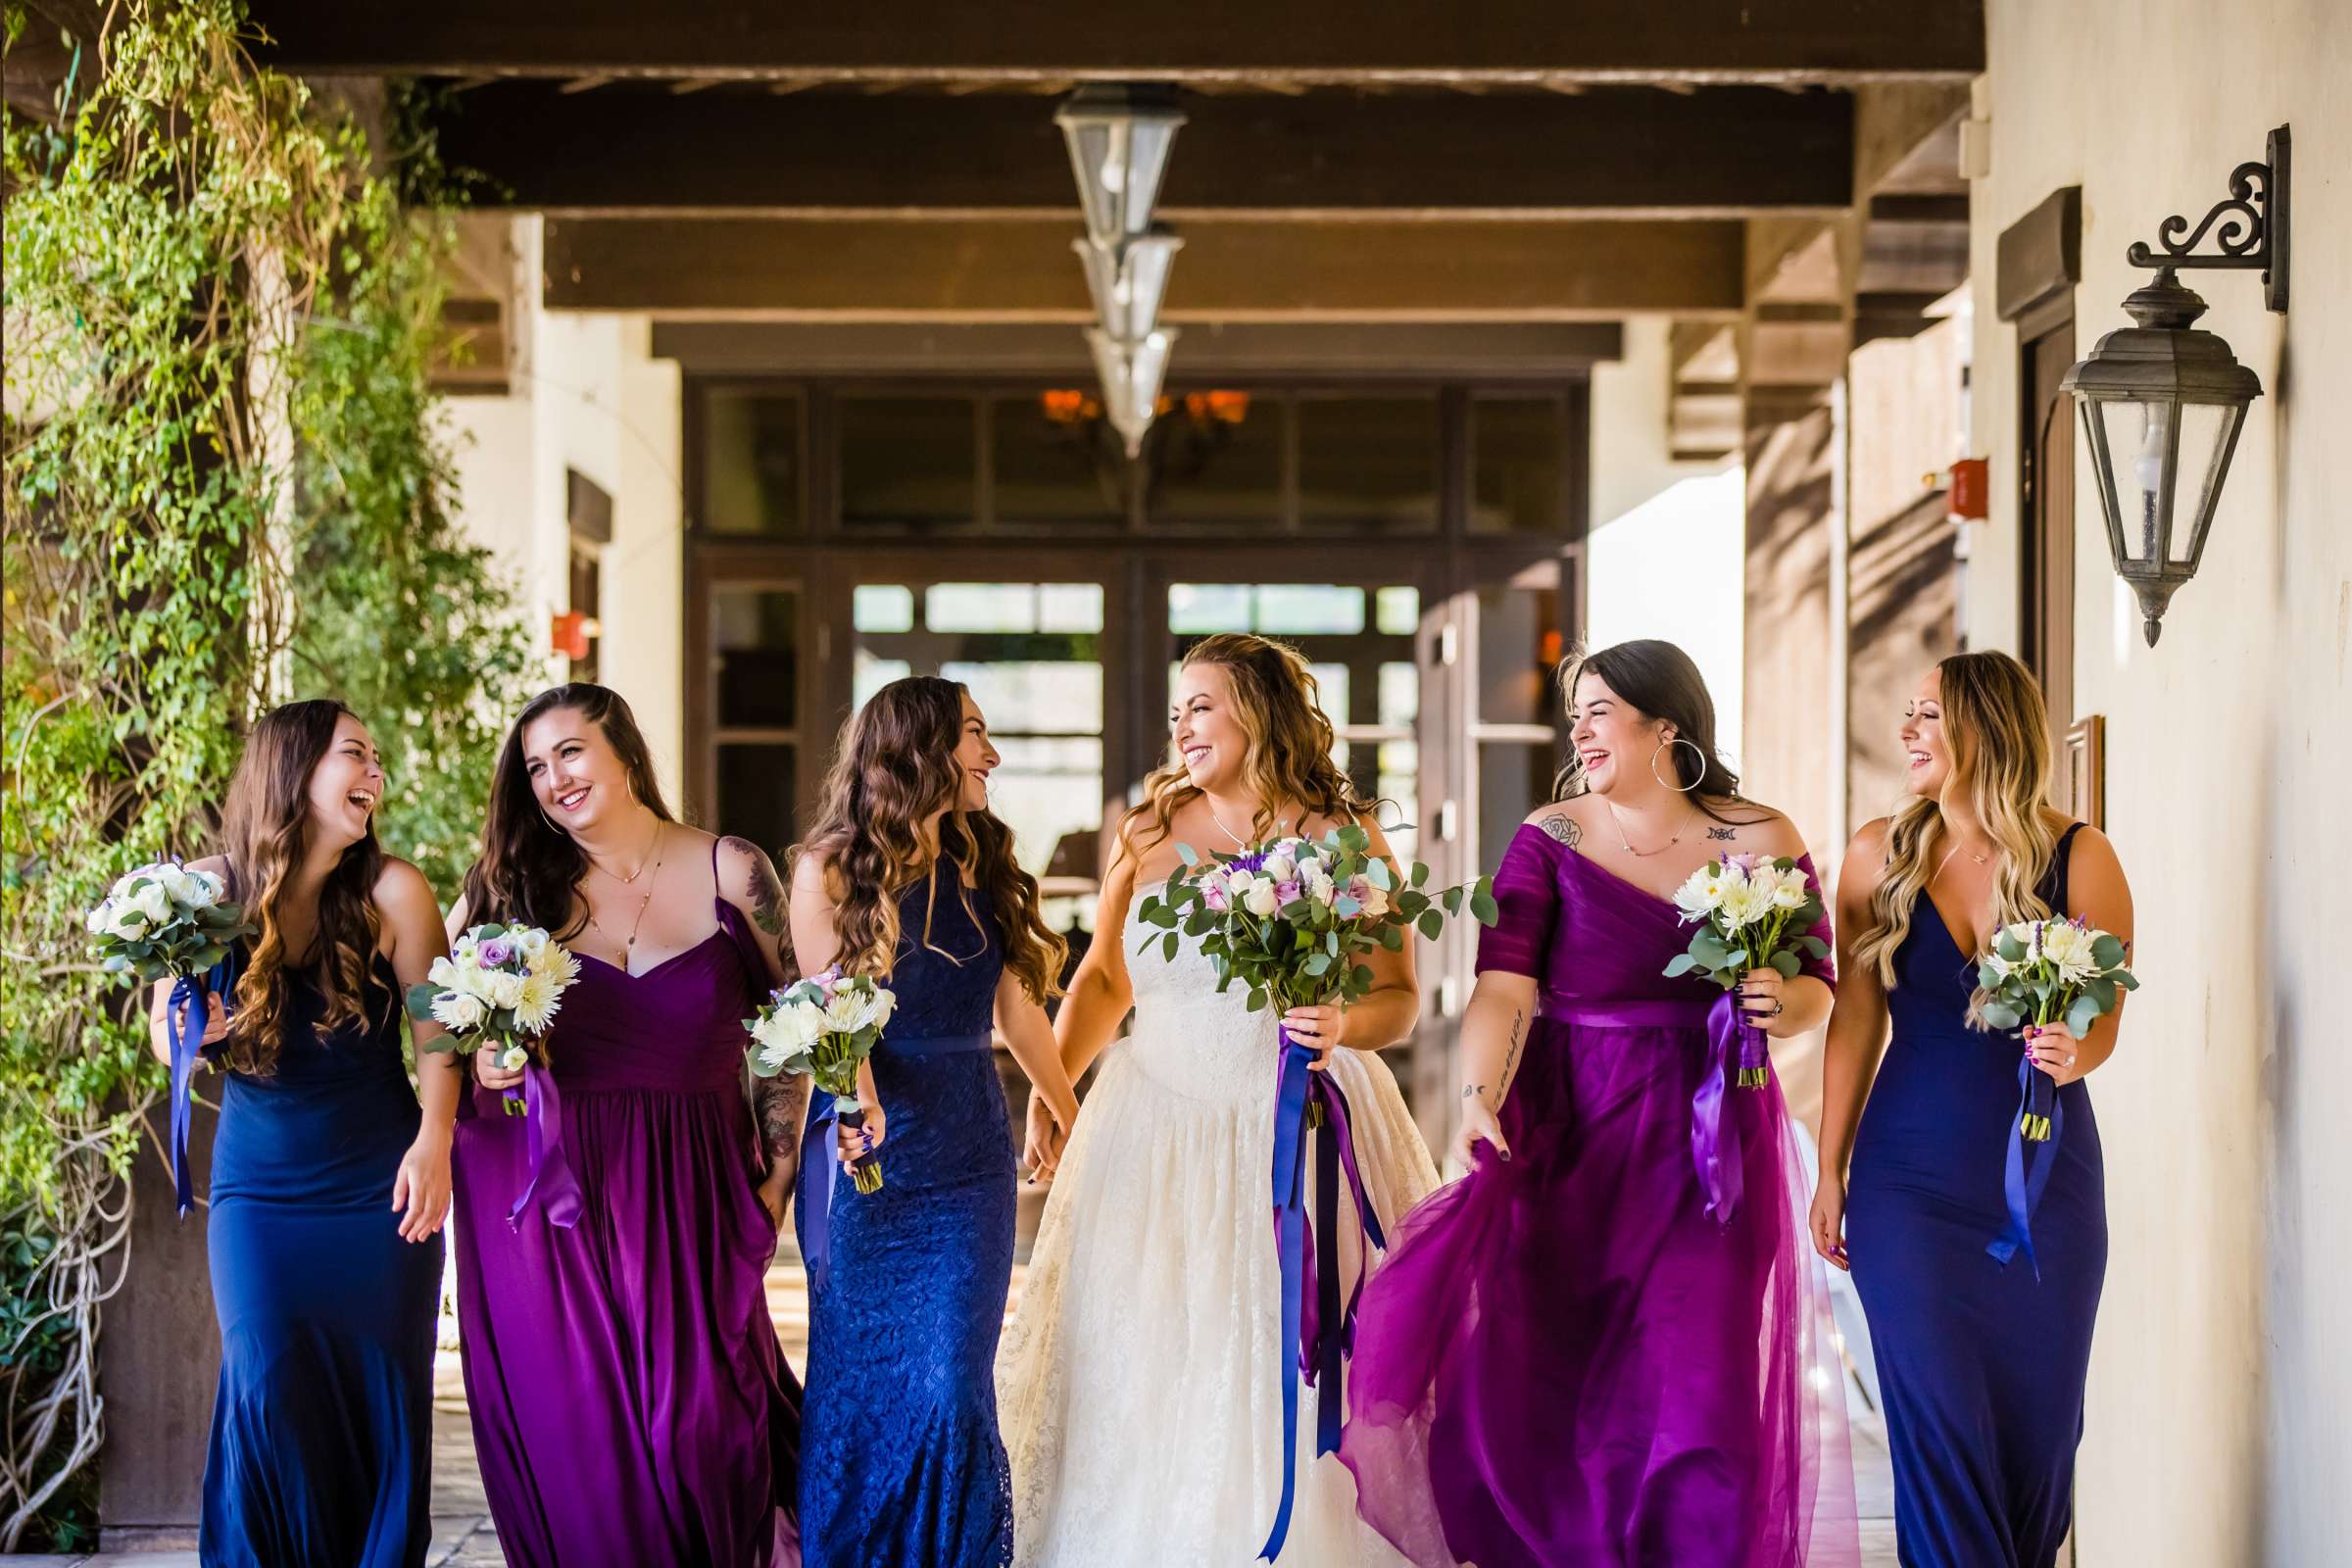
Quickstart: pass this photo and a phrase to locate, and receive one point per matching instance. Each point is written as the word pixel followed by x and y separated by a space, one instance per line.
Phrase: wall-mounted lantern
pixel 2162 401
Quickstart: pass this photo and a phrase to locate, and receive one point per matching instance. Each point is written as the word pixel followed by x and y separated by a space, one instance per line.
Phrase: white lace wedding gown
pixel 1139 1383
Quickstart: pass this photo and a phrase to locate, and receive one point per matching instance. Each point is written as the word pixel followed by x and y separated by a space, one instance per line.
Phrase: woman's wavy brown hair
pixel 1278 706
pixel 894 766
pixel 529 868
pixel 266 833
pixel 1996 727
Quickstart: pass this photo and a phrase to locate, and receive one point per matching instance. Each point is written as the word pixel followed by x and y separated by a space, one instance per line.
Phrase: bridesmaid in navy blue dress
pixel 329 1185
pixel 1982 1327
pixel 909 878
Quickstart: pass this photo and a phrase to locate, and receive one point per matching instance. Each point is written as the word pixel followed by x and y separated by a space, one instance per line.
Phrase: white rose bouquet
pixel 1752 912
pixel 2041 971
pixel 1290 918
pixel 825 1026
pixel 164 921
pixel 498 990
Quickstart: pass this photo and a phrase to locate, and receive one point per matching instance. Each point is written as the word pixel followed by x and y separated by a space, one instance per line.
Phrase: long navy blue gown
pixel 320 1448
pixel 900 1460
pixel 1982 1364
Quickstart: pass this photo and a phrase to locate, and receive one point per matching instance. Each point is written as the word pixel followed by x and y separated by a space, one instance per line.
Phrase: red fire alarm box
pixel 1968 487
pixel 569 632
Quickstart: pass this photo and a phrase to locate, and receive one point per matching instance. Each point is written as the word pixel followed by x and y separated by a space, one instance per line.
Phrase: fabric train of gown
pixel 1982 1365
pixel 1566 1361
pixel 1140 1378
pixel 321 1435
pixel 631 1405
pixel 900 1460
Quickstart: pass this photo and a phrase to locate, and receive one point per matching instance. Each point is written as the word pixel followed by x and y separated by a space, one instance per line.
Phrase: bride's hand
pixel 1479 1126
pixel 1046 1138
pixel 1317 1028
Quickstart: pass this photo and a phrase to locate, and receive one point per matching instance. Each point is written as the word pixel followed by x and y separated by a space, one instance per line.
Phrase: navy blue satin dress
pixel 1981 1364
pixel 320 1448
pixel 901 1458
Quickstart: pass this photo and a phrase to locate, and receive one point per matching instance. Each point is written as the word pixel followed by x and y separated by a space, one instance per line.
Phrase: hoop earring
pixel 1677 740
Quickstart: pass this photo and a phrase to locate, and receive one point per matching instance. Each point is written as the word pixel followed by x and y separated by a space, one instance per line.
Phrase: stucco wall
pixel 2222 1377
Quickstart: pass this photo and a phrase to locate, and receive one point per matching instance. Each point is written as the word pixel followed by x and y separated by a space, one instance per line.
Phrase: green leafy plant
pixel 224 488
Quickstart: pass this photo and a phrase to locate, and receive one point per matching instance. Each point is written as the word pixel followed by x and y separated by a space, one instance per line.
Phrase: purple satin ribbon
pixel 1313 1317
pixel 186 1017
pixel 1715 1145
pixel 817 1152
pixel 551 1182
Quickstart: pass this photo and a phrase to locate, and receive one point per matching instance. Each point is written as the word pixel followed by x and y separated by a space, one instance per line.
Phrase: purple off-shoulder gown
pixel 1566 1360
pixel 631 1404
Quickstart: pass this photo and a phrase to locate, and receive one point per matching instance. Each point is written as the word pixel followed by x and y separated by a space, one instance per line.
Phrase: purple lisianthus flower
pixel 496 951
pixel 1288 892
pixel 1744 862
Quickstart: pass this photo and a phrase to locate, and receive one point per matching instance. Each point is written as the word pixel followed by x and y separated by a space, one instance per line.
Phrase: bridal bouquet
pixel 2041 971
pixel 497 990
pixel 825 1026
pixel 165 922
pixel 1291 920
pixel 1752 912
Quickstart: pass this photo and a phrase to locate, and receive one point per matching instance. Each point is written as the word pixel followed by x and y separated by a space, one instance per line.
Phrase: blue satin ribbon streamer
pixel 816 1144
pixel 2019 1191
pixel 552 1182
pixel 1715 1143
pixel 186 1017
pixel 1322 1347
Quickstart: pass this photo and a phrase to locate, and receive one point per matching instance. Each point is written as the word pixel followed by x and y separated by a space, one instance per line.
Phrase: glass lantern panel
pixel 2140 452
pixel 2206 429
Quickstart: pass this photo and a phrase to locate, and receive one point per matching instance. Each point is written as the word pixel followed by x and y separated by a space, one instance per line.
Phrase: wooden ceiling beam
pixel 1021 271
pixel 1531 42
pixel 1616 152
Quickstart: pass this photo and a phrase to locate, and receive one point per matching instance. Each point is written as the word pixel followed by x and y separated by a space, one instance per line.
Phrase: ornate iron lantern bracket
pixel 2250 229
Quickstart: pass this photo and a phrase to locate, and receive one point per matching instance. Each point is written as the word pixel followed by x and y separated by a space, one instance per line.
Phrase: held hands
pixel 1479 1124
pixel 422 1187
pixel 2056 1050
pixel 1762 1000
pixel 215 1025
pixel 1048 1135
pixel 1829 1222
pixel 1317 1028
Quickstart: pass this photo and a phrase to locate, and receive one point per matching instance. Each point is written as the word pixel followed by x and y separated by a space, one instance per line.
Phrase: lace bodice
pixel 1189 1037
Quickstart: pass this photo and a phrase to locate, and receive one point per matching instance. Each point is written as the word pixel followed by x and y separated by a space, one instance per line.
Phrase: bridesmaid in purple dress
pixel 630 1402
pixel 1608 1344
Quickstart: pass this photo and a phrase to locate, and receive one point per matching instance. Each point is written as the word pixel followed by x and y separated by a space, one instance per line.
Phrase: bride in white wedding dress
pixel 1140 1383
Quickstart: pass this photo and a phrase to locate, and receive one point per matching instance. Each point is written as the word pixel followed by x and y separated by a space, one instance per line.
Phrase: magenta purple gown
pixel 1566 1361
pixel 630 1402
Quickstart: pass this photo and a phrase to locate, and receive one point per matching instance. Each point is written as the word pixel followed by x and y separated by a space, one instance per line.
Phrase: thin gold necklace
pixel 1239 842
pixel 1691 817
pixel 649 846
pixel 630 945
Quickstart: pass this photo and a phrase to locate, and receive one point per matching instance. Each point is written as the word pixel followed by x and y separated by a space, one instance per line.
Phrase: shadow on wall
pixel 1674 567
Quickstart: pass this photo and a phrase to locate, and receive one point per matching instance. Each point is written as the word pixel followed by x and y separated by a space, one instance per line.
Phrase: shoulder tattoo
pixel 1723 835
pixel 768 890
pixel 1563 828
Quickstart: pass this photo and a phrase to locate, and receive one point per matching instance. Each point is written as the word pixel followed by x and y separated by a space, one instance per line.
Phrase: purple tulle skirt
pixel 1565 1362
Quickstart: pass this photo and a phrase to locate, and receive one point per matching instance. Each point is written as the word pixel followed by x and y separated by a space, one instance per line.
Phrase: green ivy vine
pixel 224 486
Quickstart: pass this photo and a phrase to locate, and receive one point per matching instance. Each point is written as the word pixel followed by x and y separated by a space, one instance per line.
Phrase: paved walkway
pixel 463 1537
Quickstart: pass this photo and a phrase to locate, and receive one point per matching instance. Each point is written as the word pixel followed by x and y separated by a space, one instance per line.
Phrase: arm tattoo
pixel 1723 835
pixel 767 901
pixel 777 1102
pixel 1563 827
pixel 1510 1058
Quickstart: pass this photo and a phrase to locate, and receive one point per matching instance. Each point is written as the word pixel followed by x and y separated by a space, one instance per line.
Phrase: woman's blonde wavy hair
pixel 1997 729
pixel 895 764
pixel 1276 702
